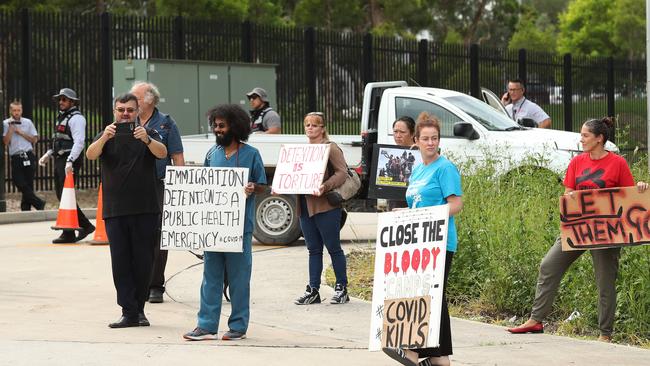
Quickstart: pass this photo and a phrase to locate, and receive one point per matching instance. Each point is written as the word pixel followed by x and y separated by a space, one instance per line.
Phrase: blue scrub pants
pixel 238 267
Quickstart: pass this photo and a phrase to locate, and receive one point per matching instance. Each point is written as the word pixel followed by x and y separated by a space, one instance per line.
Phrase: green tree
pixel 329 14
pixel 551 8
pixel 586 29
pixel 629 27
pixel 534 32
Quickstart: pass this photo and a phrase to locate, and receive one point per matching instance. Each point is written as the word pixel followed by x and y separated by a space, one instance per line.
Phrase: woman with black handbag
pixel 320 221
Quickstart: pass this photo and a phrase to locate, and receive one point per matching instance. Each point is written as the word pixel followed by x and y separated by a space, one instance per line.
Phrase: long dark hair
pixel 603 126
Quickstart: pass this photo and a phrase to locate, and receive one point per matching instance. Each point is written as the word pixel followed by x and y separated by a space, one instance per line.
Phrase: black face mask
pixel 225 140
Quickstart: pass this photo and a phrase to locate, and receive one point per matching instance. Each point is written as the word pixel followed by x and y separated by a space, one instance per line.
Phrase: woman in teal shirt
pixel 434 182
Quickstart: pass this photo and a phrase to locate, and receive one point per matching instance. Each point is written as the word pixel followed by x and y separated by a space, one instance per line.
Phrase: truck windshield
pixel 490 118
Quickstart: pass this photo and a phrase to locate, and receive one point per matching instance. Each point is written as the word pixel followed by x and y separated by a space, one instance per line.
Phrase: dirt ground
pixel 86 198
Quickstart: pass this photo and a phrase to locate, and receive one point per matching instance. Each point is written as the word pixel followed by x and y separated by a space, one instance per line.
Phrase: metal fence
pixel 316 70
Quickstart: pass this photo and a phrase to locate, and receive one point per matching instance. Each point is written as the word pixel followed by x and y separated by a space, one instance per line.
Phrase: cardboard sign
pixel 300 168
pixel 409 263
pixel 406 322
pixel 604 218
pixel 391 170
pixel 204 209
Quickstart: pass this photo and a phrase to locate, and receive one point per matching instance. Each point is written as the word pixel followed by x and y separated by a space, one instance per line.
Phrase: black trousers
pixel 59 180
pixel 160 256
pixel 132 241
pixel 23 178
pixel 445 348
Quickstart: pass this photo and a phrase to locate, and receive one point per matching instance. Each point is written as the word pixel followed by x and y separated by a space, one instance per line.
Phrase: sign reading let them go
pixel 604 218
pixel 300 168
pixel 204 209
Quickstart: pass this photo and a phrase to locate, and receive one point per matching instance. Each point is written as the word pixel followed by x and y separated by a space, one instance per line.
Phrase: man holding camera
pixel 69 141
pixel 19 134
pixel 128 153
pixel 519 107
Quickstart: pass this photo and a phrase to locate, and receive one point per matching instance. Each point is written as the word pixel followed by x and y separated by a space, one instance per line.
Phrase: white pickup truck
pixel 471 129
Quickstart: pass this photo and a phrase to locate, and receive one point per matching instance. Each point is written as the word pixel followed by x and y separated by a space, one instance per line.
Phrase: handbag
pixel 347 190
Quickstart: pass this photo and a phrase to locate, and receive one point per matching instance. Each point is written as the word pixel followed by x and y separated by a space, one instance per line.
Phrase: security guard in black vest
pixel 68 143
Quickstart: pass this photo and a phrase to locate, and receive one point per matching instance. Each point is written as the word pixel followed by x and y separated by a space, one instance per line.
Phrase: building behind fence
pixel 316 70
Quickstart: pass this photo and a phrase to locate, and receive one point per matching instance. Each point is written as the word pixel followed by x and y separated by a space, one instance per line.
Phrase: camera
pixel 124 128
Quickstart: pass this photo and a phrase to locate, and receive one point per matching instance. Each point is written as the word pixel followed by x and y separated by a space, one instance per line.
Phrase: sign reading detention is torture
pixel 204 209
pixel 300 168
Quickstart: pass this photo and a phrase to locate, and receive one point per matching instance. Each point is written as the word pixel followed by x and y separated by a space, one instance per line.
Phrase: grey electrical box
pixel 189 88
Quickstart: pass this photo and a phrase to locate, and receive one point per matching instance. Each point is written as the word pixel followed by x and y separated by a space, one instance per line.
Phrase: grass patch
pixel 504 231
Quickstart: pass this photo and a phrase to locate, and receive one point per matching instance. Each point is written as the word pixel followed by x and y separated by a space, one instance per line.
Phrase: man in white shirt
pixel 519 107
pixel 20 135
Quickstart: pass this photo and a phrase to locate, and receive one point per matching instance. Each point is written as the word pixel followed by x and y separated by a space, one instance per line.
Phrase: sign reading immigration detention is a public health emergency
pixel 300 168
pixel 604 218
pixel 409 264
pixel 204 209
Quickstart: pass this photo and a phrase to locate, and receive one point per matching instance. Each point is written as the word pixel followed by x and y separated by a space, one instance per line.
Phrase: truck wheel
pixel 276 219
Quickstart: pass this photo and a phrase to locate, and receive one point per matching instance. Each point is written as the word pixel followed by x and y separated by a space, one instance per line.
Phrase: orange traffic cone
pixel 67 216
pixel 100 229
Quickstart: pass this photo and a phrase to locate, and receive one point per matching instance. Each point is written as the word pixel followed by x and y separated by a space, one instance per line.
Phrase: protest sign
pixel 204 209
pixel 406 322
pixel 391 170
pixel 604 218
pixel 409 264
pixel 300 168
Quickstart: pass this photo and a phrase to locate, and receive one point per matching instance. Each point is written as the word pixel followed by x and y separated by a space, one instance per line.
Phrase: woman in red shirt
pixel 595 168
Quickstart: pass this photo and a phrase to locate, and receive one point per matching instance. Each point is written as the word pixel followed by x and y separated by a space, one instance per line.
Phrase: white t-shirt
pixel 524 108
pixel 17 142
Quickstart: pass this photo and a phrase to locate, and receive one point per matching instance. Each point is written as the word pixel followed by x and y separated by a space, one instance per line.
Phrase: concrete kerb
pixel 36 216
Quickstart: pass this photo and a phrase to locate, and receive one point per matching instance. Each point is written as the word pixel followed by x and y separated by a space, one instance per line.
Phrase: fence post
pixel 523 72
pixel 567 93
pixel 3 183
pixel 474 83
pixel 611 99
pixel 247 41
pixel 106 55
pixel 178 31
pixel 367 70
pixel 423 65
pixel 27 63
pixel 310 67
pixel 611 111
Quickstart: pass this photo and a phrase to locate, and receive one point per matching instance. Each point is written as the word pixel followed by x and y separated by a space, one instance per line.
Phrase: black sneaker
pixel 340 295
pixel 311 296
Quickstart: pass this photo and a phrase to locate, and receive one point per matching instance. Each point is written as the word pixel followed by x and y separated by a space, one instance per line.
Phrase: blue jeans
pixel 320 230
pixel 238 266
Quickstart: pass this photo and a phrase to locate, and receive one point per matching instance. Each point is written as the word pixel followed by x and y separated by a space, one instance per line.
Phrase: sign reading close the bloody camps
pixel 409 264
pixel 300 168
pixel 604 218
pixel 204 209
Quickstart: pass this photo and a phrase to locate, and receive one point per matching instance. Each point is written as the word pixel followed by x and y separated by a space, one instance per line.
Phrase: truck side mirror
pixel 466 130
pixel 526 122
